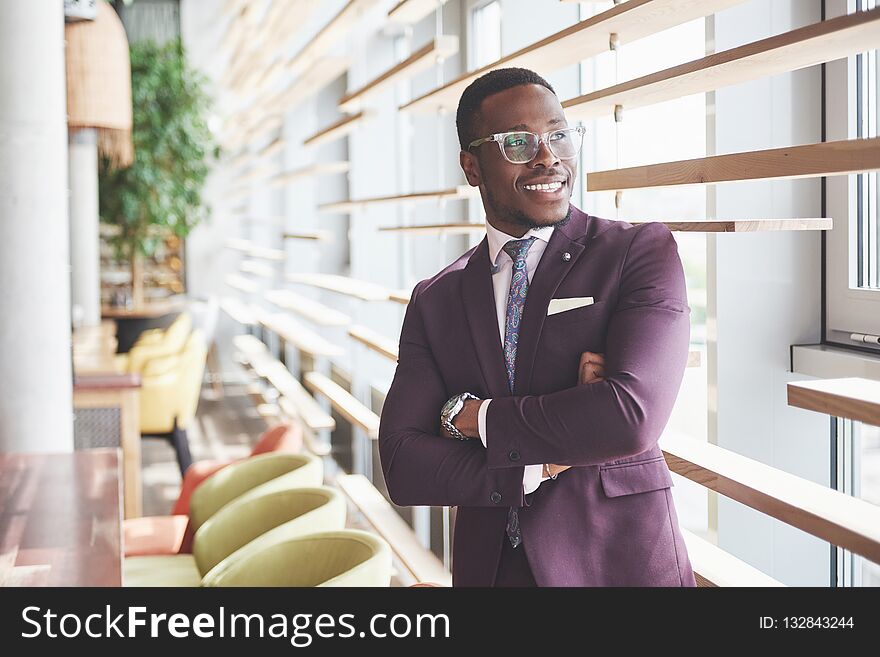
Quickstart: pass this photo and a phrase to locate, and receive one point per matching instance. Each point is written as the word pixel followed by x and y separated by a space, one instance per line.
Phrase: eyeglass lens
pixel 521 147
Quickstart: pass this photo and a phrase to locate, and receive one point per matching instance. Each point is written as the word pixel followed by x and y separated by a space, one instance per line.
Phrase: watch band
pixel 452 408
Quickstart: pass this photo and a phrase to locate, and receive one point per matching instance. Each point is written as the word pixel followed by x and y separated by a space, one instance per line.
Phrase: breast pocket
pixel 584 313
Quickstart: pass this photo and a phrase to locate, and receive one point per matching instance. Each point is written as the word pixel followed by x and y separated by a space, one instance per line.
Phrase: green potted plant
pixel 160 193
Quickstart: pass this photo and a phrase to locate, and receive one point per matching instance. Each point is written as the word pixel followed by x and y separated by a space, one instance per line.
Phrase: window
pixel 486 46
pixel 852 285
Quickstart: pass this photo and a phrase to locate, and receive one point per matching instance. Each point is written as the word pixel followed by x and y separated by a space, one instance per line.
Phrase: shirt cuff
pixel 532 478
pixel 481 420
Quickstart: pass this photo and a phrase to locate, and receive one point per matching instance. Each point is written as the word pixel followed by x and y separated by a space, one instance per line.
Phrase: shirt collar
pixel 497 238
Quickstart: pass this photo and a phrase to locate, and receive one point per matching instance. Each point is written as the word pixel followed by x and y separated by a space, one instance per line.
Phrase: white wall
pixel 764 295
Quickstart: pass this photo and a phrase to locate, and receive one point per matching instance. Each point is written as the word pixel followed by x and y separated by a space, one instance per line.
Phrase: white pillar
pixel 84 241
pixel 35 363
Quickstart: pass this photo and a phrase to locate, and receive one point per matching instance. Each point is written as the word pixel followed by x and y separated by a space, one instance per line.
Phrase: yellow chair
pixel 347 557
pixel 169 395
pixel 246 526
pixel 155 343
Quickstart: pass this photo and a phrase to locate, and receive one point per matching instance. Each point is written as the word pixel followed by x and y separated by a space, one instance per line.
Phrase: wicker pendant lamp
pixel 99 83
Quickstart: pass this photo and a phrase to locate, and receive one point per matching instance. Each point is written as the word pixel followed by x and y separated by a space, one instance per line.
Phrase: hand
pixel 551 469
pixel 591 368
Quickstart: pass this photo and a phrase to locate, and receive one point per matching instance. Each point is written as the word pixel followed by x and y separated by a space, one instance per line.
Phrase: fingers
pixel 591 368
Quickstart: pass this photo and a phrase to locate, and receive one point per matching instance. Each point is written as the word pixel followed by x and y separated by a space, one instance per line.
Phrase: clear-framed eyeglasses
pixel 521 147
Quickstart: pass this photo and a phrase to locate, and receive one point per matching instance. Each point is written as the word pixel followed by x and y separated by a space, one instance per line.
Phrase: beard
pixel 517 216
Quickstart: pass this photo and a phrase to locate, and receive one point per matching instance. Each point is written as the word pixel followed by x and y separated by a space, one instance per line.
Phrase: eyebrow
pixel 523 126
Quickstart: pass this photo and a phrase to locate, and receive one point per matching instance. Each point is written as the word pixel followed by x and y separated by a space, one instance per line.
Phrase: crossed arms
pixel 622 415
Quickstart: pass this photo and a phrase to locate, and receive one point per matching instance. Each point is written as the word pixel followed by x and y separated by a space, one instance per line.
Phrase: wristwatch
pixel 450 410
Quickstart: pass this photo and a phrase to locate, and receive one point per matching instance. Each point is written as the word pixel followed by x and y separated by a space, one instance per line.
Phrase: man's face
pixel 510 205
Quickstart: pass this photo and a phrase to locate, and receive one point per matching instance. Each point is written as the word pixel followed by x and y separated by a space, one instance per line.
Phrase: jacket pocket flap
pixel 639 477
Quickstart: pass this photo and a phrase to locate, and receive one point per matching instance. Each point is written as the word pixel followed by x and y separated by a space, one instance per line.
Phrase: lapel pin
pixel 566 256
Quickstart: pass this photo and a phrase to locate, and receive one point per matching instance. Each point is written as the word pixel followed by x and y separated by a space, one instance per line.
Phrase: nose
pixel 545 157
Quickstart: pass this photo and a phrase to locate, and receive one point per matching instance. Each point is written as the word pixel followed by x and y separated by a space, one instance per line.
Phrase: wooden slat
pixel 400 296
pixel 412 11
pixel 239 244
pixel 238 311
pixel 345 403
pixel 265 253
pixel 715 567
pixel 318 169
pixel 375 341
pixel 257 269
pixel 241 284
pixel 449 229
pixel 338 129
pixel 351 287
pixel 842 520
pixel 315 235
pixel 807 46
pixel 308 308
pixel 422 564
pixel 852 398
pixel 298 336
pixel 630 21
pixel 812 160
pixel 675 225
pixel 272 147
pixel 435 50
pixel 456 193
pixel 319 75
pixel 294 410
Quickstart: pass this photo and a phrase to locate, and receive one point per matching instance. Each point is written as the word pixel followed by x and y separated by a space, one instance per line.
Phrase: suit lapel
pixel 551 271
pixel 479 305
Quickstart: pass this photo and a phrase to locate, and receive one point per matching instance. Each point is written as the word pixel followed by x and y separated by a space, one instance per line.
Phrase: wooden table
pixel 60 519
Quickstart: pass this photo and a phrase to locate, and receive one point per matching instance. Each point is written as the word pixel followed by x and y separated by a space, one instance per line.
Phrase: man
pixel 551 456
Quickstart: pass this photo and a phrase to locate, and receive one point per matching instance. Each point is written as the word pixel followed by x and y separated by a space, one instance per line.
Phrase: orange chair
pixel 155 535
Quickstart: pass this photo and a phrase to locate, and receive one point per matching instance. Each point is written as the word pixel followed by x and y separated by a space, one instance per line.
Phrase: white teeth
pixel 549 187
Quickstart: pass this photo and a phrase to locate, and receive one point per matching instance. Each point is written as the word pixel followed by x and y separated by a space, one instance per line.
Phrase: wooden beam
pixel 629 21
pixel 840 519
pixel 375 341
pixel 338 129
pixel 257 269
pixel 238 311
pixel 239 244
pixel 436 50
pixel 241 284
pixel 408 12
pixel 807 46
pixel 852 398
pixel 400 296
pixel 351 287
pixel 456 193
pixel 823 159
pixel 310 309
pixel 313 235
pixel 345 403
pixel 318 169
pixel 449 229
pixel 265 253
pixel 298 336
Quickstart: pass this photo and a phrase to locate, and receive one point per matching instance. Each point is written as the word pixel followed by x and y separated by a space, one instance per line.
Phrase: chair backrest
pixel 172 341
pixel 283 470
pixel 348 557
pixel 192 369
pixel 280 438
pixel 258 519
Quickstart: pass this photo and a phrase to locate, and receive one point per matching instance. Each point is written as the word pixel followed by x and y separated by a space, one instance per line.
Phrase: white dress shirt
pixel 501 275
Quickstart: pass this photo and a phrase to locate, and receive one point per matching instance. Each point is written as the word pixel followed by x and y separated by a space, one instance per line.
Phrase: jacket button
pixel 495 497
pixel 513 455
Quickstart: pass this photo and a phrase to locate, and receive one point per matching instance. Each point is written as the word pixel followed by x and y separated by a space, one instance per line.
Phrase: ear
pixel 471 167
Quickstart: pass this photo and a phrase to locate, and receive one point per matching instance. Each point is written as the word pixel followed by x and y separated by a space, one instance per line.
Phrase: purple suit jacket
pixel 610 519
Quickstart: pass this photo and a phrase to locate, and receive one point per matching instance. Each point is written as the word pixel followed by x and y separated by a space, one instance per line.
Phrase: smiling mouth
pixel 545 188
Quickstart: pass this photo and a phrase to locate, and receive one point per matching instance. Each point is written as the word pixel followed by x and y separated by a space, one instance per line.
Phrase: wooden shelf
pixel 257 269
pixel 437 49
pixel 272 147
pixel 338 129
pixel 715 567
pixel 378 343
pixel 238 311
pixel 412 11
pixel 345 403
pixel 324 71
pixel 456 193
pixel 265 253
pixel 313 235
pixel 348 286
pixel 421 563
pixel 630 21
pixel 241 284
pixel 852 398
pixel 238 244
pixel 298 336
pixel 740 225
pixel 813 160
pixel 400 296
pixel 807 46
pixel 310 413
pixel 840 519
pixel 311 310
pixel 448 229
pixel 319 169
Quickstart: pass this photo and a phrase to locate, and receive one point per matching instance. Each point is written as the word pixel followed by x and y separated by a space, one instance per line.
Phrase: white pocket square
pixel 561 305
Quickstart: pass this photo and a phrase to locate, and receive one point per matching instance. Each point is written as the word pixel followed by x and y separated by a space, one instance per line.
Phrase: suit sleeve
pixel 421 466
pixel 645 357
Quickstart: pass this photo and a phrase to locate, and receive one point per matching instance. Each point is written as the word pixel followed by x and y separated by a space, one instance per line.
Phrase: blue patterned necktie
pixel 516 299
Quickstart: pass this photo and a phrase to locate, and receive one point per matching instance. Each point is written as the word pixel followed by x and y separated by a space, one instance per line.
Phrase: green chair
pixel 282 470
pixel 347 557
pixel 264 516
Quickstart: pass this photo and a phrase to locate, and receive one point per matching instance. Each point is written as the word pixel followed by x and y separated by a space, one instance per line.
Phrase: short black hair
pixel 491 83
